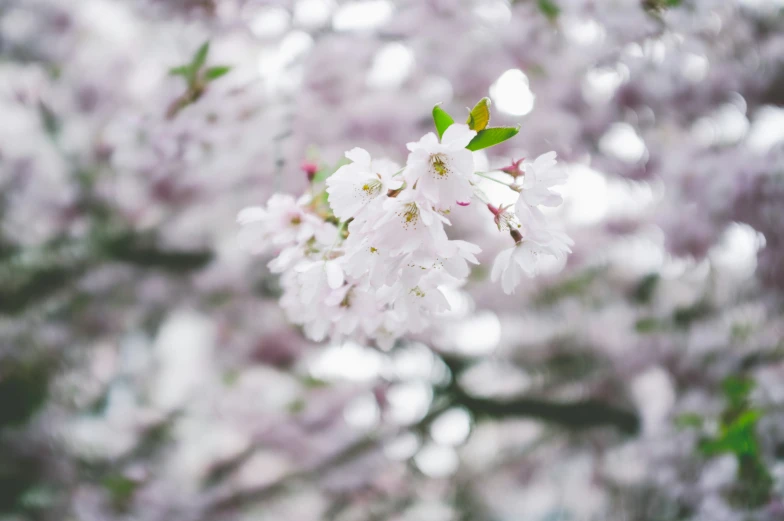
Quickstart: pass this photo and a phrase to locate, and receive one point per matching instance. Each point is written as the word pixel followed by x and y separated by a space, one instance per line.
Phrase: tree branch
pixel 238 498
pixel 583 414
pixel 578 415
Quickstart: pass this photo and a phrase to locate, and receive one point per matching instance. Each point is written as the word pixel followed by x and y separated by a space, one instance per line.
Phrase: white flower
pixel 408 225
pixel 457 263
pixel 286 259
pixel 526 257
pixel 511 263
pixel 453 264
pixel 414 305
pixel 282 223
pixel 355 306
pixel 316 276
pixel 532 223
pixel 354 186
pixel 540 176
pixel 442 171
pixel 363 257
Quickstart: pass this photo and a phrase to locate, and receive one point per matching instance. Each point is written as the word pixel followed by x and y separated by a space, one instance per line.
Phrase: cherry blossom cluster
pixel 365 253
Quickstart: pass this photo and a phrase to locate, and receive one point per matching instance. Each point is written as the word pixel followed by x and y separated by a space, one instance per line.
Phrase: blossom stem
pixel 482 174
pixel 339 236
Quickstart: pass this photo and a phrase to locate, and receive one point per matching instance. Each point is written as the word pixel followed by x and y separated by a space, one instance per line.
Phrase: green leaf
pixel 550 9
pixel 688 420
pixel 200 58
pixel 492 136
pixel 479 116
pixel 214 73
pixel 647 325
pixel 644 291
pixel 737 437
pixel 737 389
pixel 183 70
pixel 322 175
pixel 24 388
pixel 442 120
pixel 655 6
pixel 684 317
pixel 121 490
pixel 49 118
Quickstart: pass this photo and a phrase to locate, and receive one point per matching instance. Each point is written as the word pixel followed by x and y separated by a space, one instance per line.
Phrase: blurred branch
pixel 131 248
pixel 238 498
pixel 39 285
pixel 28 278
pixel 577 415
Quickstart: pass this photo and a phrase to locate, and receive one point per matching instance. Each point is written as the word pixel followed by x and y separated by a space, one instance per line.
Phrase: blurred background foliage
pixel 146 371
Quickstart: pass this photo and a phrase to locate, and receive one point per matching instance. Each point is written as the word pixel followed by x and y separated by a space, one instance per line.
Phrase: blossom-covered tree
pixel 410 340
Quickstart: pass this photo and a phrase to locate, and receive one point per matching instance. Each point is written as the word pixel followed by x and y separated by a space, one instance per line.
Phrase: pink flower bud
pixel 514 169
pixel 310 169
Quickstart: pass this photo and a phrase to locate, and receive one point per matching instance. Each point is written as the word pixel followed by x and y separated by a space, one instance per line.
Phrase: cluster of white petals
pixel 369 256
pixel 538 241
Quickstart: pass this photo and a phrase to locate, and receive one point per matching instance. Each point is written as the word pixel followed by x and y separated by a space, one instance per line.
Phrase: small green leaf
pixel 644 291
pixel 647 325
pixel 689 420
pixel 200 58
pixel 442 120
pixel 51 122
pixel 492 136
pixel 183 70
pixel 214 73
pixel 550 9
pixel 297 406
pixel 121 490
pixel 685 316
pixel 311 382
pixel 655 6
pixel 322 175
pixel 479 116
pixel 737 389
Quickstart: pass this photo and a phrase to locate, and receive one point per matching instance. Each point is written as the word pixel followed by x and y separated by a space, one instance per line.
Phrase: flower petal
pixel 334 275
pixel 360 156
pixel 500 264
pixel 428 140
pixel 251 214
pixel 458 136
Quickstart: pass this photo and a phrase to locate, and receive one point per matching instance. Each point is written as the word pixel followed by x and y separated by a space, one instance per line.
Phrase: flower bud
pixel 310 169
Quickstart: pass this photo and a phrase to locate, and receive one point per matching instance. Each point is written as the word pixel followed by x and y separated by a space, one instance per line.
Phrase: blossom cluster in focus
pixel 366 254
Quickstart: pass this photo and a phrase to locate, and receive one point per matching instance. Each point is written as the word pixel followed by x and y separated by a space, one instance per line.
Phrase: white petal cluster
pixel 372 263
pixel 539 239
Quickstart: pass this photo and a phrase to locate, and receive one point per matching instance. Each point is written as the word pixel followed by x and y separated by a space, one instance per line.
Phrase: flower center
pixel 417 292
pixel 371 188
pixel 437 161
pixel 346 302
pixel 410 215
